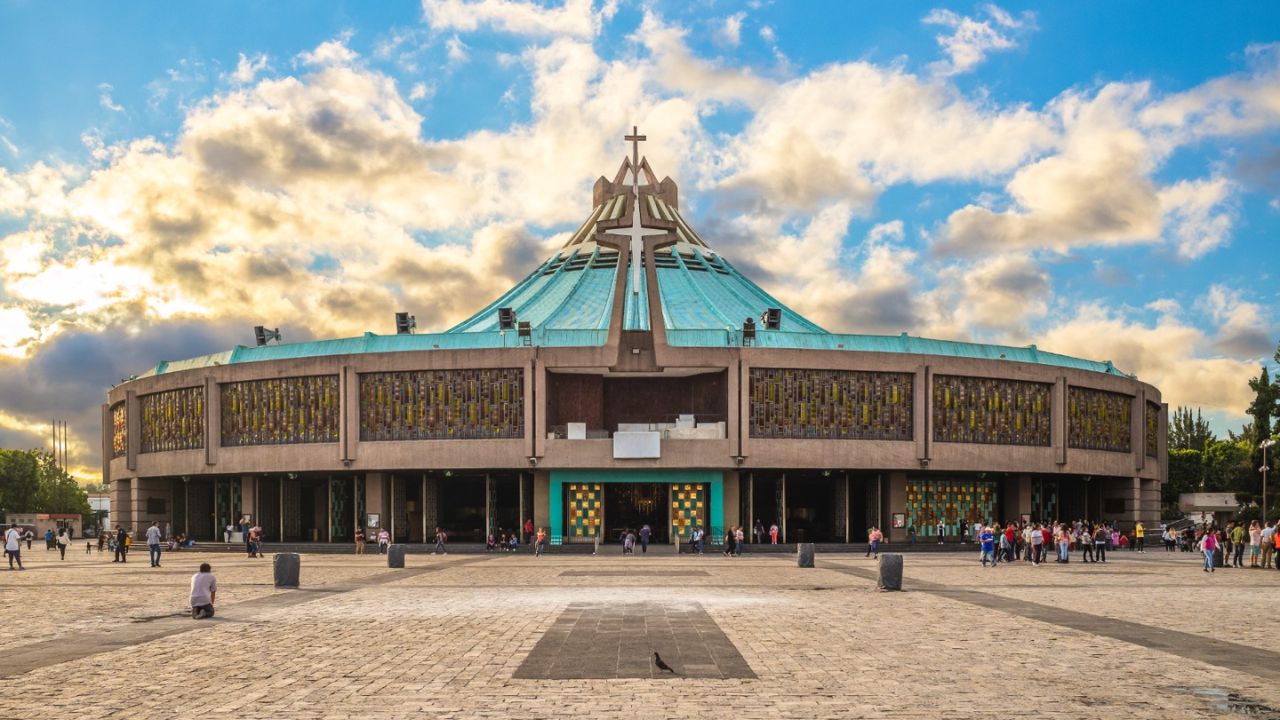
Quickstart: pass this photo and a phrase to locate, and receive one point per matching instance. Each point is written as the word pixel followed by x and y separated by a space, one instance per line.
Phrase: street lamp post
pixel 1264 445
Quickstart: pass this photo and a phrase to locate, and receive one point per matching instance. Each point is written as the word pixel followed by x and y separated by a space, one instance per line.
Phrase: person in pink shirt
pixel 1209 544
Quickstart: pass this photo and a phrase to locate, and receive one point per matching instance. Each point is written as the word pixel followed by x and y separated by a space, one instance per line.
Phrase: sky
pixel 1099 179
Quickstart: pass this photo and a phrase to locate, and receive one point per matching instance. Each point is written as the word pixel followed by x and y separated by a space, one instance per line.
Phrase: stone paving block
pixel 287 569
pixel 890 572
pixel 395 556
pixel 804 555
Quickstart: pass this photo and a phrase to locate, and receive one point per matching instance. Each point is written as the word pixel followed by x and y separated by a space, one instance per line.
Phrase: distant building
pixel 40 522
pixel 100 504
pixel 634 377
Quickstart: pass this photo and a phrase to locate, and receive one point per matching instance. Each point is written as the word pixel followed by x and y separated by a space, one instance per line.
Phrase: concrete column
pixel 373 498
pixel 733 417
pixel 920 403
pixel 1149 504
pixel 1058 423
pixel 212 421
pixel 133 421
pixel 1138 430
pixel 121 503
pixel 744 403
pixel 894 496
pixel 107 430
pixel 349 427
pixel 542 502
pixel 249 498
pixel 535 404
pixel 732 509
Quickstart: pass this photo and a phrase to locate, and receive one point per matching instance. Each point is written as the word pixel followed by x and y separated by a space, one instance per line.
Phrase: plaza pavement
pixel 513 636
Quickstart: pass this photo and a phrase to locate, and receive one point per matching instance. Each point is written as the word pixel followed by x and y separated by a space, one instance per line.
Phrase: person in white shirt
pixel 63 541
pixel 204 590
pixel 153 543
pixel 13 546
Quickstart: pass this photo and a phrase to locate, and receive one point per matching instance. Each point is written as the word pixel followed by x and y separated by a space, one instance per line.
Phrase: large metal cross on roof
pixel 635 138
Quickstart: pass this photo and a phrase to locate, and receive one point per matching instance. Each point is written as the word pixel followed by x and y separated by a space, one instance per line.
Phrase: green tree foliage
pixel 1264 405
pixel 19 481
pixel 31 481
pixel 1228 468
pixel 1189 432
pixel 1186 471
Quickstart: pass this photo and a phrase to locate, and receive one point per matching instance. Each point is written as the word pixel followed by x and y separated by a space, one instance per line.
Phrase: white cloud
pixel 1176 357
pixel 331 52
pixel 729 34
pixel 970 40
pixel 419 91
pixel 104 98
pixel 1244 331
pixel 456 51
pixel 1198 215
pixel 1000 294
pixel 247 68
pixel 574 18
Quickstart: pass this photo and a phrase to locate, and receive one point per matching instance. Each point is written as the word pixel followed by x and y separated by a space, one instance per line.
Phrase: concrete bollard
pixel 890 571
pixel 804 555
pixel 288 569
pixel 395 556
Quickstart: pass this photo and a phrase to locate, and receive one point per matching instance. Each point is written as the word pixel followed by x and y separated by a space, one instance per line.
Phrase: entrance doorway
pixel 630 506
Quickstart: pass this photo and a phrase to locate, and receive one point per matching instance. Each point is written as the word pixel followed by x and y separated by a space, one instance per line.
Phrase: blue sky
pixel 1101 179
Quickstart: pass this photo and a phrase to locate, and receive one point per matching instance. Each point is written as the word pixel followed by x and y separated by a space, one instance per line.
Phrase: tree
pixel 1186 472
pixel 1263 407
pixel 1187 432
pixel 59 492
pixel 19 481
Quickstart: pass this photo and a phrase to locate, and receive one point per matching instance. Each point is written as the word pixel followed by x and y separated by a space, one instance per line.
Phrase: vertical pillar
pixel 249 498
pixel 328 532
pixel 425 536
pixel 488 503
pixel 847 520
pixel 281 503
pixel 730 504
pixel 212 421
pixel 920 404
pixel 782 505
pixel 897 502
pixel 373 497
pixel 133 421
pixel 521 514
pixel 548 503
pixel 1138 430
pixel 1058 430
pixel 751 500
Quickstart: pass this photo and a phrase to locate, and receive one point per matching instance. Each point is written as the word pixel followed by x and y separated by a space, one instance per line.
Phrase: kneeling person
pixel 204 588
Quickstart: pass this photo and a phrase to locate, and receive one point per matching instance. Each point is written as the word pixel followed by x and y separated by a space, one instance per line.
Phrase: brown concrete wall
pixel 351 455
pixel 732 504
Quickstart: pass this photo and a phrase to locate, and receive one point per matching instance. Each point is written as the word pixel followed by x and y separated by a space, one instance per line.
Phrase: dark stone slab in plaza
pixel 804 555
pixel 890 572
pixel 288 569
pixel 395 556
pixel 630 573
pixel 607 641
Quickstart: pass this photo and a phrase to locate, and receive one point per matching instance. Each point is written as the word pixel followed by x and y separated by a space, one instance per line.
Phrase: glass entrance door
pixel 631 506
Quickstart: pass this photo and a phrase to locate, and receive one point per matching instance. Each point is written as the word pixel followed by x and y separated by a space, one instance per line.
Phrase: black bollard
pixel 288 569
pixel 804 555
pixel 395 556
pixel 890 571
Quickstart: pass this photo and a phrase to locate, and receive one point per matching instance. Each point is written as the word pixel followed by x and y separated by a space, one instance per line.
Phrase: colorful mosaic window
pixel 442 404
pixel 688 508
pixel 585 508
pixel 1153 429
pixel 991 411
pixel 172 420
pixel 1044 500
pixel 952 500
pixel 830 404
pixel 1099 420
pixel 119 430
pixel 280 411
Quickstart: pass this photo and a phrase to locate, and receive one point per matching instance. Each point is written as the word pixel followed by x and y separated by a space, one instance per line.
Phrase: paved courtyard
pixel 513 636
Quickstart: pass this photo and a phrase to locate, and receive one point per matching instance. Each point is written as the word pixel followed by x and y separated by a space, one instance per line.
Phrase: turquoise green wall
pixel 714 479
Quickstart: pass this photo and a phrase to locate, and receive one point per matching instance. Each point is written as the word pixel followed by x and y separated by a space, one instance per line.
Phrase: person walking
pixel 644 538
pixel 168 531
pixel 384 540
pixel 773 534
pixel 359 541
pixel 528 529
pixel 1139 536
pixel 1209 544
pixel 540 544
pixel 1037 545
pixel 986 540
pixel 873 542
pixel 62 542
pixel 1255 544
pixel 1100 544
pixel 13 545
pixel 122 552
pixel 1238 538
pixel 441 538
pixel 758 532
pixel 153 544
pixel 204 590
pixel 940 528
pixel 1267 538
pixel 29 536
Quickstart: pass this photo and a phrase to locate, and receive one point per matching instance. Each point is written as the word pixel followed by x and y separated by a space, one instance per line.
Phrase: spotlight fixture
pixel 264 336
pixel 525 330
pixel 771 318
pixel 506 318
pixel 405 323
pixel 748 332
pixel 533 461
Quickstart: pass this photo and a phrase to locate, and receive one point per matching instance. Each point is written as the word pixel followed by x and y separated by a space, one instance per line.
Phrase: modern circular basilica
pixel 634 377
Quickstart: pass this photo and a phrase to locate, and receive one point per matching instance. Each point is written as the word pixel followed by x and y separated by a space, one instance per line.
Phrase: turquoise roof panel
pixel 636 310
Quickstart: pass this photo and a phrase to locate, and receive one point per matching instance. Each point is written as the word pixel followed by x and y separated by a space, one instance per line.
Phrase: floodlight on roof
pixel 748 331
pixel 405 323
pixel 771 318
pixel 506 318
pixel 264 336
pixel 524 329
